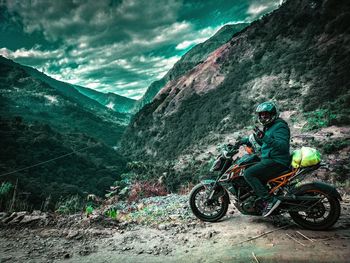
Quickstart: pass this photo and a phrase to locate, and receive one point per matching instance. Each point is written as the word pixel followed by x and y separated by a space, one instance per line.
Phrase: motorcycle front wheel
pixel 208 210
pixel 320 215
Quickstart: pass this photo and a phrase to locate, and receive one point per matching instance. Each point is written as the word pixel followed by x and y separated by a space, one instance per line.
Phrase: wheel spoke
pixel 205 208
pixel 316 212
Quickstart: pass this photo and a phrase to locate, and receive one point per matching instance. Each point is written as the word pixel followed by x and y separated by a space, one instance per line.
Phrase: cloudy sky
pixel 118 46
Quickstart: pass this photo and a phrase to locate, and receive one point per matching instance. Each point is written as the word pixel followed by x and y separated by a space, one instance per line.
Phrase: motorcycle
pixel 314 205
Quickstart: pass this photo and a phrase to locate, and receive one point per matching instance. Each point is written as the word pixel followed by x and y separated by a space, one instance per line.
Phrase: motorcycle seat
pixel 287 170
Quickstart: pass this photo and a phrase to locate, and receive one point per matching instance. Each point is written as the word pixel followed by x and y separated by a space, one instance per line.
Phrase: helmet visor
pixel 265 117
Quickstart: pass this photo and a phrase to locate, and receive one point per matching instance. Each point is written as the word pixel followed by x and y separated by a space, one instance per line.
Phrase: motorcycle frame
pixel 277 183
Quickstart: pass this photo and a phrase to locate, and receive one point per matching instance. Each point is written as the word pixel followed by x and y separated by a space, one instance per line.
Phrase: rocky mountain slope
pixel 193 57
pixel 297 56
pixel 110 100
pixel 34 96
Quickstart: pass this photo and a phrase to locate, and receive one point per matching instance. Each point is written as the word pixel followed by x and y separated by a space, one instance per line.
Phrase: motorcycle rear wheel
pixel 208 211
pixel 324 214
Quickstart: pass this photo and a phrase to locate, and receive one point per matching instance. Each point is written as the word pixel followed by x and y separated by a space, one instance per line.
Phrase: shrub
pixel 318 119
pixel 69 205
pixel 186 188
pixel 142 189
pixel 119 188
pixel 112 213
pixel 333 146
pixel 5 191
pixel 5 188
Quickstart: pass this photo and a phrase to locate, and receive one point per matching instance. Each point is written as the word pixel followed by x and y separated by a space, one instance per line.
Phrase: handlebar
pixel 228 150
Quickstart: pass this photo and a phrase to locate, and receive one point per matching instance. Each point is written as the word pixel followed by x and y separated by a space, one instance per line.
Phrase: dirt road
pixel 193 241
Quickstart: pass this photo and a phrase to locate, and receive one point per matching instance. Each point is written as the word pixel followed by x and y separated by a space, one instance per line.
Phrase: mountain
pixel 42 119
pixel 34 96
pixel 110 100
pixel 298 56
pixel 82 165
pixel 193 57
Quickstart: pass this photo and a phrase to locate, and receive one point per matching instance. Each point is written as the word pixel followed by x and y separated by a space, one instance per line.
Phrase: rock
pixel 5 259
pixel 36 213
pixel 162 227
pixel 209 235
pixel 29 219
pixel 123 225
pixel 66 256
pixel 174 216
pixel 3 215
pixel 9 218
pixel 19 216
pixel 127 248
pixel 72 234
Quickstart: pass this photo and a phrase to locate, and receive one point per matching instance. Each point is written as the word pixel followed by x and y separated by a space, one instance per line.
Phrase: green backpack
pixel 306 156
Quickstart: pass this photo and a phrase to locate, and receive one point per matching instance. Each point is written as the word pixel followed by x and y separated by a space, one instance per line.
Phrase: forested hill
pixel 110 100
pixel 34 96
pixel 84 165
pixel 42 119
pixel 298 56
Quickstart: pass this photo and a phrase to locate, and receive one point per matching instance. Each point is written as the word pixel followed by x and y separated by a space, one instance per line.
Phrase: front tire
pixel 323 215
pixel 208 211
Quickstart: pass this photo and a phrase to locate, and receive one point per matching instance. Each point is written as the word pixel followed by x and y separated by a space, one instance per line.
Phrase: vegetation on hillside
pixel 110 100
pixel 87 167
pixel 297 56
pixel 22 94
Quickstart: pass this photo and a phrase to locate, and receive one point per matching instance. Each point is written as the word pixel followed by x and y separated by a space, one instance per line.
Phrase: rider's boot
pixel 270 206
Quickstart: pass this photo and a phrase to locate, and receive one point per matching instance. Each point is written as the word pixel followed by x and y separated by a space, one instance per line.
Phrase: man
pixel 275 156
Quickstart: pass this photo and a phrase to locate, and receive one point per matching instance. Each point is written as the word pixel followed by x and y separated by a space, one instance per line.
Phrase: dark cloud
pixel 119 46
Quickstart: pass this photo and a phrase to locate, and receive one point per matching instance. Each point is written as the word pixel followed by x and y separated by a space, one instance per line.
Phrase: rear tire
pixel 325 213
pixel 200 207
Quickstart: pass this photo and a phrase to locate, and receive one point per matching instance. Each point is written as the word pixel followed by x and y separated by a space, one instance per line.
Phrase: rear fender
pixel 321 186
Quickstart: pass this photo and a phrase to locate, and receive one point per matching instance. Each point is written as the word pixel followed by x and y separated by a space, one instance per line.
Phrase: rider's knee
pixel 247 174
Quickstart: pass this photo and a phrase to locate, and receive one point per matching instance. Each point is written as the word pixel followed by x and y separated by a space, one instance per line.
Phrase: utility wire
pixel 50 160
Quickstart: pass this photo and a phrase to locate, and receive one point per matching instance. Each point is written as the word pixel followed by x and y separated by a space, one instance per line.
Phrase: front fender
pixel 208 182
pixel 329 189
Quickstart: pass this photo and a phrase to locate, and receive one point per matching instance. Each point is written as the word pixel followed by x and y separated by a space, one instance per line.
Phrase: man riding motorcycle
pixel 262 179
pixel 275 156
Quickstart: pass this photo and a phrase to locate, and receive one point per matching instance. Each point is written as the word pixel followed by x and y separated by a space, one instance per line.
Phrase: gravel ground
pixel 162 229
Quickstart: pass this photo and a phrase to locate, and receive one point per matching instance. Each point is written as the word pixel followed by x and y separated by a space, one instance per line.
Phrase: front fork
pixel 215 189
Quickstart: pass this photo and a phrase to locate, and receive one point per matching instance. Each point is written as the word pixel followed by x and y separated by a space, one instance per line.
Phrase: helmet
pixel 267 112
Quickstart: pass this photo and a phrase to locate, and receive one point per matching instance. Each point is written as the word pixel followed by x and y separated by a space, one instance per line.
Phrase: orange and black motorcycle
pixel 312 205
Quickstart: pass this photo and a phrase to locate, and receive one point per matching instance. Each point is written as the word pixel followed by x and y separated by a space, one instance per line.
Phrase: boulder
pixel 3 215
pixel 31 218
pixel 9 218
pixel 18 218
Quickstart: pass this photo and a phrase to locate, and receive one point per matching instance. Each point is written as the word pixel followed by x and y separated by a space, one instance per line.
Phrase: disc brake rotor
pixel 207 206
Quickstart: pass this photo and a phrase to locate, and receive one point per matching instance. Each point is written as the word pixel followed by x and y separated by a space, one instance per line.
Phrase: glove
pixel 241 141
pixel 258 134
pixel 231 147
